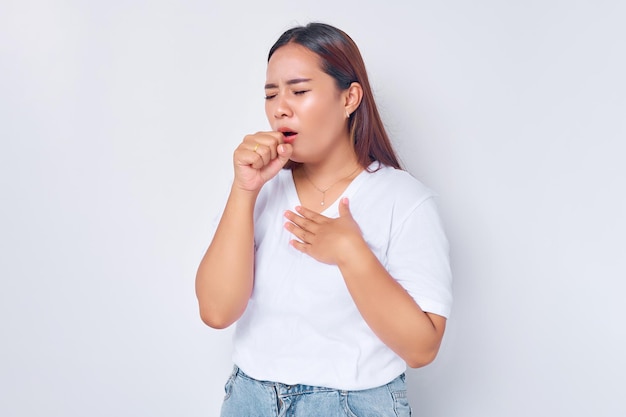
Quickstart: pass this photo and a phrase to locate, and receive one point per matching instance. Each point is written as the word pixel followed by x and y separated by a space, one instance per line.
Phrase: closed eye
pixel 297 93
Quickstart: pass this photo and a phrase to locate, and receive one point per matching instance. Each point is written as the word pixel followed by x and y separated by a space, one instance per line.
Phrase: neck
pixel 327 177
pixel 323 189
pixel 335 165
pixel 324 176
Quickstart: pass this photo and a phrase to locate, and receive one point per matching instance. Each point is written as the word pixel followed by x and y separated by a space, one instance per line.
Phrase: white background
pixel 117 125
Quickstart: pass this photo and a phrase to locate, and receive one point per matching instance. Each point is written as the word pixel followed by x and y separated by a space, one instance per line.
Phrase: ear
pixel 353 96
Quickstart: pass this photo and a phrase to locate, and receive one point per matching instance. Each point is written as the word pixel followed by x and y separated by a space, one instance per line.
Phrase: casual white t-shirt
pixel 301 325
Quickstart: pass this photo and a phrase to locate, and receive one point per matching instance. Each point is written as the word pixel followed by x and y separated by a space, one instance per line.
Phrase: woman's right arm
pixel 226 273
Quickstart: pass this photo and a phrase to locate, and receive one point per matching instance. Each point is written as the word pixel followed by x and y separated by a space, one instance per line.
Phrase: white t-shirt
pixel 301 325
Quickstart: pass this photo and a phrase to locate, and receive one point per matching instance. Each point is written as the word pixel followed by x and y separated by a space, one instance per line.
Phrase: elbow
pixel 215 320
pixel 424 351
pixel 215 324
pixel 421 359
pixel 219 313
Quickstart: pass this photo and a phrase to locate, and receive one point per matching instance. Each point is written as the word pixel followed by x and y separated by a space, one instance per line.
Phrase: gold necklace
pixel 330 186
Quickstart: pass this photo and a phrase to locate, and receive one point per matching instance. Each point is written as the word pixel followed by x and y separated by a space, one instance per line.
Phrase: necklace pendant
pixel 322 203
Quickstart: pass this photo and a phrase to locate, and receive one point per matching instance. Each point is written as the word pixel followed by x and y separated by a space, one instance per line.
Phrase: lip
pixel 288 139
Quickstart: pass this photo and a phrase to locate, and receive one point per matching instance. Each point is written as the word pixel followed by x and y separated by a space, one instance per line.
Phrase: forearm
pixel 225 276
pixel 388 308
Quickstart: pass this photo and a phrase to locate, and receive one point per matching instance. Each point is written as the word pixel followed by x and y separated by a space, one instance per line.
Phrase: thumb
pixel 284 152
pixel 344 208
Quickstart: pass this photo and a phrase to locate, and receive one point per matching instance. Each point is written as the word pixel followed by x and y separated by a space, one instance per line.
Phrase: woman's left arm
pixel 385 305
pixel 388 308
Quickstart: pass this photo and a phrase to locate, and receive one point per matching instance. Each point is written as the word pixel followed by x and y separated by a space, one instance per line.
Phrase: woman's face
pixel 304 103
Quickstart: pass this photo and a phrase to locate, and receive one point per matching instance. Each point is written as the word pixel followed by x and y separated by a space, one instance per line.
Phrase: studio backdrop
pixel 118 120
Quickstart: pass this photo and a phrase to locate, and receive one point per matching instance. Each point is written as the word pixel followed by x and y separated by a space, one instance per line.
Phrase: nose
pixel 282 108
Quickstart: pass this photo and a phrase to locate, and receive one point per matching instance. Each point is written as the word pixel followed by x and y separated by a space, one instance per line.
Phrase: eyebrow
pixel 289 82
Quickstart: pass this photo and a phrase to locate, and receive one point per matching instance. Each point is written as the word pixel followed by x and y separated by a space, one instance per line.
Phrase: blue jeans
pixel 247 397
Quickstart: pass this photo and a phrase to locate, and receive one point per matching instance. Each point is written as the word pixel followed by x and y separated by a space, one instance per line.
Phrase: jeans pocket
pixel 228 387
pixel 401 404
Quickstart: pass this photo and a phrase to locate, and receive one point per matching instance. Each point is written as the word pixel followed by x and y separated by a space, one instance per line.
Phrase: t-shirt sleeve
pixel 418 258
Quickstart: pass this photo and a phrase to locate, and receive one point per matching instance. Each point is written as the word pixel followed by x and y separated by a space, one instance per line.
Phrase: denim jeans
pixel 247 397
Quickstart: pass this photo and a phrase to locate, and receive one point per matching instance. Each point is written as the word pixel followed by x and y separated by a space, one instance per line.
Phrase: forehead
pixel 293 60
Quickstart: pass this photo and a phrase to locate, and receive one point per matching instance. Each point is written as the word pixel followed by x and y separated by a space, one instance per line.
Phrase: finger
pixel 279 136
pixel 244 156
pixel 310 214
pixel 257 161
pixel 301 222
pixel 284 151
pixel 264 152
pixel 302 234
pixel 278 139
pixel 300 246
pixel 272 140
pixel 344 208
pixel 273 151
pixel 266 147
pixel 269 139
pixel 275 165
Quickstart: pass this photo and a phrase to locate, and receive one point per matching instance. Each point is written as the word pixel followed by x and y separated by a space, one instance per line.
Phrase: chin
pixel 298 159
pixel 306 158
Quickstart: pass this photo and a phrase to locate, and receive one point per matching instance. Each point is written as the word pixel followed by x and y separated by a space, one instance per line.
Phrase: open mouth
pixel 289 135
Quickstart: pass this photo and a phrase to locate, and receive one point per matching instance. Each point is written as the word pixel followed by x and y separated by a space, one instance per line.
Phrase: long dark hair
pixel 341 59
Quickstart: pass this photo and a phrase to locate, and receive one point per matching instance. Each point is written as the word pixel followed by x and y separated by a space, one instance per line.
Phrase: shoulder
pixel 398 185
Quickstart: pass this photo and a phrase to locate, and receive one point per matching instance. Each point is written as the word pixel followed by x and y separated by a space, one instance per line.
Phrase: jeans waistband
pixel 297 389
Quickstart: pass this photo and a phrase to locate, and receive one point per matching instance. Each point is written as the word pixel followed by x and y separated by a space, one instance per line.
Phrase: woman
pixel 331 259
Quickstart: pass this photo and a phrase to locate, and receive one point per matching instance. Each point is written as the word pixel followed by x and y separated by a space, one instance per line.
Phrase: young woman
pixel 330 258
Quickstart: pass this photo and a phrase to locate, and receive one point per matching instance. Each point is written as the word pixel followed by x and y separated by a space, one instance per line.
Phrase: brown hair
pixel 341 59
